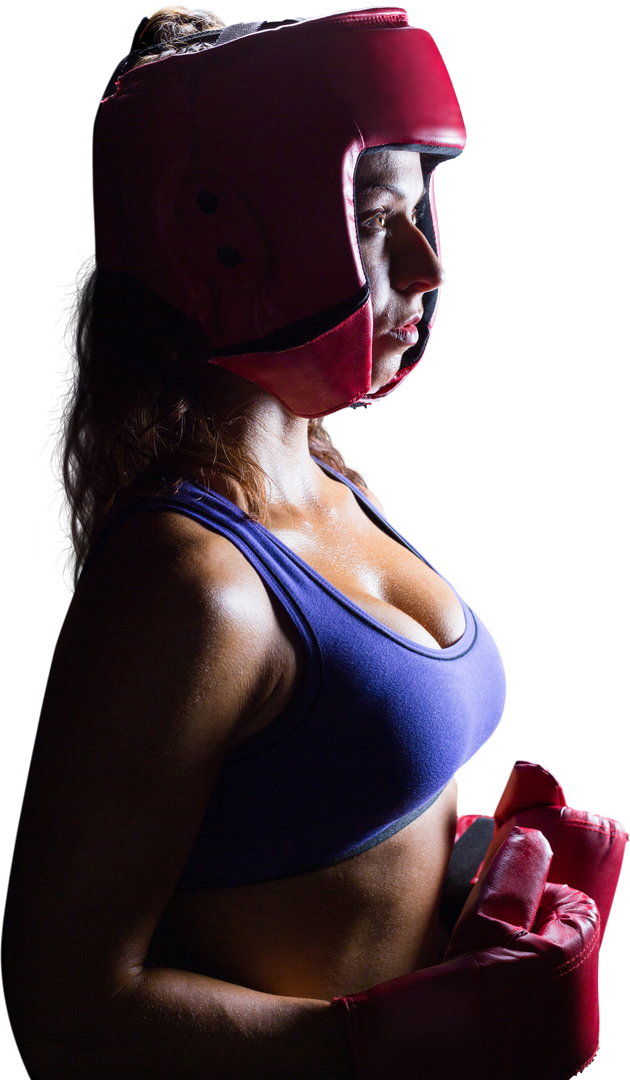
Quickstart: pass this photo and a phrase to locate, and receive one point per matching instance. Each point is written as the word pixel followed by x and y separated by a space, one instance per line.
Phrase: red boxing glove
pixel 589 849
pixel 516 995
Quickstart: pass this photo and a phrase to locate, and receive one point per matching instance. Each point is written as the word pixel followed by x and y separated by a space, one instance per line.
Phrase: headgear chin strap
pixel 224 182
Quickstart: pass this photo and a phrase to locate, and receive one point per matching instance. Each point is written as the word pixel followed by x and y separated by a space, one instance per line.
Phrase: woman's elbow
pixel 67 1044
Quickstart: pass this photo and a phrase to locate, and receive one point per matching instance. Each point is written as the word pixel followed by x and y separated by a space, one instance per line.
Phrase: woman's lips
pixel 407 334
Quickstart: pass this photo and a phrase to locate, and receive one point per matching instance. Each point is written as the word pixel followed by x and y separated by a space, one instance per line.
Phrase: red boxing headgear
pixel 224 182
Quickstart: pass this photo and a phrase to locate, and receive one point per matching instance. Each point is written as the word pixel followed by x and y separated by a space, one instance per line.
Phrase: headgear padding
pixel 224 182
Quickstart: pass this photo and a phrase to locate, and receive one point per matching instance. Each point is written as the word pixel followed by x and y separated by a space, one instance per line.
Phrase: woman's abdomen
pixel 325 933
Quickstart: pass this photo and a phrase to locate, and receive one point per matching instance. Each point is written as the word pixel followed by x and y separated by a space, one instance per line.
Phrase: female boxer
pixel 241 807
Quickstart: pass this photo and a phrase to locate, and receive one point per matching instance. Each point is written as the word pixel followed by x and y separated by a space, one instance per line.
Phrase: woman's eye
pixel 377 221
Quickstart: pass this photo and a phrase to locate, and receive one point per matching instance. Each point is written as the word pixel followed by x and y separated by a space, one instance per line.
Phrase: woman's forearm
pixel 175 1025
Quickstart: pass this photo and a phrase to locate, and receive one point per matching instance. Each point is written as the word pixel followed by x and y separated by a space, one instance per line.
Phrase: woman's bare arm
pixel 170 650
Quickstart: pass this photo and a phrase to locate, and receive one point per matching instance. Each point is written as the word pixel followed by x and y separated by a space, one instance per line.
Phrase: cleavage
pixel 378 574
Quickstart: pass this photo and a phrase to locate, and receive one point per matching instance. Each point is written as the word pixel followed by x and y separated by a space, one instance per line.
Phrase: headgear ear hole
pixel 229 256
pixel 216 231
pixel 207 202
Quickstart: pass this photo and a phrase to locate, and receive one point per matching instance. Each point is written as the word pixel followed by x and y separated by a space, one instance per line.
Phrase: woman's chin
pixel 383 371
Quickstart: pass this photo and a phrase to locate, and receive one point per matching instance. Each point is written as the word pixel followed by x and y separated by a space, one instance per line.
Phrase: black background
pixel 497 458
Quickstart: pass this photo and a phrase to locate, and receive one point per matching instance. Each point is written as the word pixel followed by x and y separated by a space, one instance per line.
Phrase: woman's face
pixel 399 261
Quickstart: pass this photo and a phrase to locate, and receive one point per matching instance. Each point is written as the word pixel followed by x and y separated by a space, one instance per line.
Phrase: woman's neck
pixel 268 434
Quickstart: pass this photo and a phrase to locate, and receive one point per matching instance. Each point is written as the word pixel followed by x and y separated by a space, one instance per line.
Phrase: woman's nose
pixel 414 264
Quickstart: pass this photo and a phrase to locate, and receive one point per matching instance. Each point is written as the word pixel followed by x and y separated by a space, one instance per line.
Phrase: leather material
pixel 516 995
pixel 224 182
pixel 587 849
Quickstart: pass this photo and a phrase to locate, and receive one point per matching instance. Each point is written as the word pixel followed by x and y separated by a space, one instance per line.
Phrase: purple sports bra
pixel 374 731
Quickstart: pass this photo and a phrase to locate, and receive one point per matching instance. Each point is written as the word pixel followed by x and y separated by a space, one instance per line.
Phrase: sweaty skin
pixel 373 917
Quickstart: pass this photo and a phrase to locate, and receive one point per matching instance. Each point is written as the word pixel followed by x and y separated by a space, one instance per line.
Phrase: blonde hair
pixel 170 24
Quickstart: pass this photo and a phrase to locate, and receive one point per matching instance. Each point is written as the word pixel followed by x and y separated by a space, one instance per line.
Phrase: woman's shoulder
pixel 169 594
pixel 163 553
